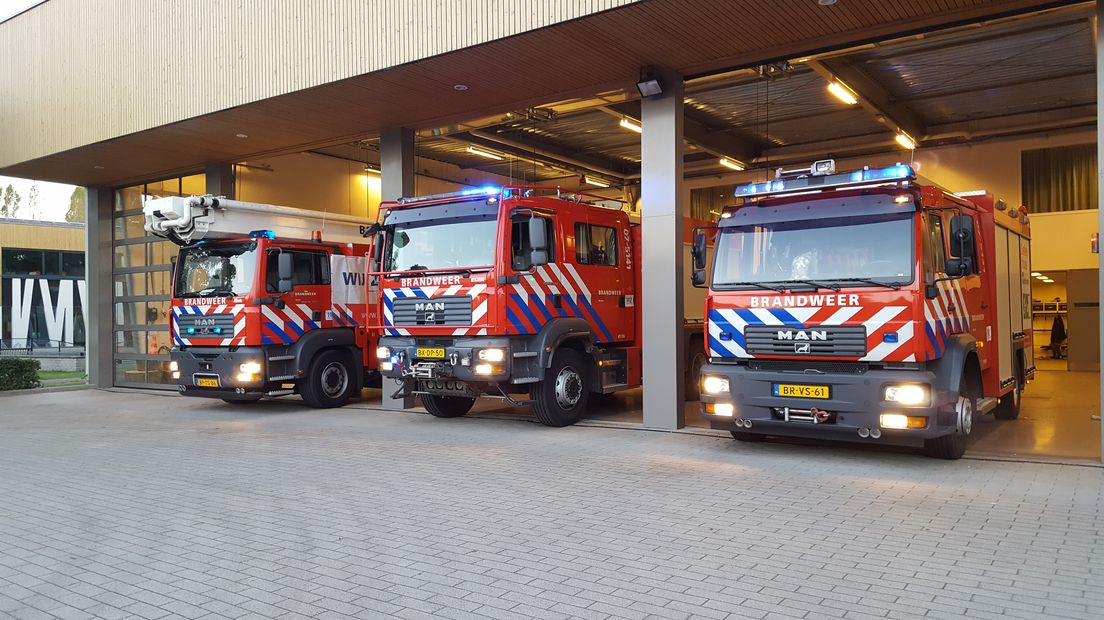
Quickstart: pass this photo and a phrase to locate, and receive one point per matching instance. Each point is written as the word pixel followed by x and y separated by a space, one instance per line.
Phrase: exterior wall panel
pixel 75 72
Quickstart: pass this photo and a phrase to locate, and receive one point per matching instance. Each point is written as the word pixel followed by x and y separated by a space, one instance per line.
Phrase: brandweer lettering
pixel 800 301
pixel 204 301
pixel 430 281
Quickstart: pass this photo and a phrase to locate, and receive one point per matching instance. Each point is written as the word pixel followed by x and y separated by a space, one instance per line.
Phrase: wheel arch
pixel 314 342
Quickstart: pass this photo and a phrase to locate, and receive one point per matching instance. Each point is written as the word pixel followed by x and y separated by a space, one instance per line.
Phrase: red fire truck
pixel 865 306
pixel 506 291
pixel 267 300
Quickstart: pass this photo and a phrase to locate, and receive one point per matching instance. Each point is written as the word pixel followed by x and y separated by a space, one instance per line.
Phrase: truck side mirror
pixel 538 241
pixel 286 282
pixel 961 261
pixel 697 259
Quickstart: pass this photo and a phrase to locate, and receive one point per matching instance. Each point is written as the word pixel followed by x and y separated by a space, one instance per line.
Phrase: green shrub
pixel 18 374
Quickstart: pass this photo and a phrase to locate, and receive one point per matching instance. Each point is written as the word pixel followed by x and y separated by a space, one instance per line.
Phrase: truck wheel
pixel 1009 406
pixel 561 398
pixel 695 360
pixel 953 446
pixel 446 406
pixel 745 436
pixel 329 381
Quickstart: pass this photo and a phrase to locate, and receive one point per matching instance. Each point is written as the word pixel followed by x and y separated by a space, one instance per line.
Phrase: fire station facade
pixel 263 101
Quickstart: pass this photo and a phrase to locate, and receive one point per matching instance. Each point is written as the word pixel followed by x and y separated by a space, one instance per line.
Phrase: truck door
pixel 307 302
pixel 600 276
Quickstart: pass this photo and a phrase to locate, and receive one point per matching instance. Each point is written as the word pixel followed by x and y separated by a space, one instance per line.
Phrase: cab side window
pixel 595 245
pixel 938 242
pixel 520 247
pixel 309 268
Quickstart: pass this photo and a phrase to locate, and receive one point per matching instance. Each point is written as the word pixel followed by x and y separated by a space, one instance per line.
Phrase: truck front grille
pixel 206 324
pixel 828 340
pixel 448 310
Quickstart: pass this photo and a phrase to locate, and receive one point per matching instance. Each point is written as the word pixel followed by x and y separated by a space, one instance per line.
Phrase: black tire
pixel 695 359
pixel 953 446
pixel 1009 406
pixel 329 382
pixel 446 406
pixel 746 436
pixel 561 398
pixel 241 401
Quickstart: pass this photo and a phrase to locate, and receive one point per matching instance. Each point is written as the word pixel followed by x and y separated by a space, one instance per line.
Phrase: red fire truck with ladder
pixel 866 306
pixel 267 300
pixel 522 291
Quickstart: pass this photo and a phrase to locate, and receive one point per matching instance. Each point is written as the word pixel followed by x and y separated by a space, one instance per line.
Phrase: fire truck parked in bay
pixel 865 306
pixel 267 300
pixel 506 291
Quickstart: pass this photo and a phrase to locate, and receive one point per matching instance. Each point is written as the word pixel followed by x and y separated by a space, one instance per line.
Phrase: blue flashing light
pixel 266 234
pixel 890 337
pixel 486 190
pixel 218 330
pixel 814 183
pixel 190 330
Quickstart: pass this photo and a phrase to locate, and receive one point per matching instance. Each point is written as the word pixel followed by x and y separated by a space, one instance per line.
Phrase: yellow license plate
pixel 430 352
pixel 207 381
pixel 801 391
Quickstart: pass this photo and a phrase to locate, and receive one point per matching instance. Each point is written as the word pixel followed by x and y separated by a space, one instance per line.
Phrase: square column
pixel 661 215
pixel 1099 35
pixel 397 180
pixel 220 180
pixel 99 285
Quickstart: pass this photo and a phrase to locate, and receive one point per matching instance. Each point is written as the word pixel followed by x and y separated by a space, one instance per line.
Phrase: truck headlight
pixel 386 366
pixel 173 366
pixel 383 353
pixel 492 355
pixel 486 369
pixel 714 385
pixel 909 395
pixel 250 368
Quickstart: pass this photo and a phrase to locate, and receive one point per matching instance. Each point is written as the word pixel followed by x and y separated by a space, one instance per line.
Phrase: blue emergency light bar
pixel 258 234
pixel 900 172
pixel 475 192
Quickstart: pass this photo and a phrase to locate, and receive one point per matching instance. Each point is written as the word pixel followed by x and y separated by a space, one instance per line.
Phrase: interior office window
pixel 595 245
pixel 1059 178
pixel 520 248
pixel 307 269
pixel 23 262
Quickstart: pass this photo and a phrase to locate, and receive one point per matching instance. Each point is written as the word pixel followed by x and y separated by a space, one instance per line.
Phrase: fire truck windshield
pixel 216 270
pixel 434 245
pixel 872 251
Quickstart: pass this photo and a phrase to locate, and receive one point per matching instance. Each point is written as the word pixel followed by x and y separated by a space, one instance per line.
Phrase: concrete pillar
pixel 99 347
pixel 220 180
pixel 1099 36
pixel 397 180
pixel 661 214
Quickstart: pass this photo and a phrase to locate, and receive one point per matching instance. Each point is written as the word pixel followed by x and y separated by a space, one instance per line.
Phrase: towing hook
pixel 820 415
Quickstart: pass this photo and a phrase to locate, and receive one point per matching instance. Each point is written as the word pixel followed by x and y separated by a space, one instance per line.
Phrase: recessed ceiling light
pixel 459 87
pixel 241 135
pixel 97 167
pixel 826 2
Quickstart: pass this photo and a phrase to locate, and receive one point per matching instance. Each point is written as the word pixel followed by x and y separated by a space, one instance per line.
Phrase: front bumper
pixel 458 363
pixel 195 364
pixel 855 403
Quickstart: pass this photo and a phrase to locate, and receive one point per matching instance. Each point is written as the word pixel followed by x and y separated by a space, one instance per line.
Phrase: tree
pixel 9 203
pixel 78 203
pixel 32 200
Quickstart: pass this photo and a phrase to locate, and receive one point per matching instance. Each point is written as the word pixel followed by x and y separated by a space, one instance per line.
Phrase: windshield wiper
pixel 891 285
pixel 208 292
pixel 816 284
pixel 464 271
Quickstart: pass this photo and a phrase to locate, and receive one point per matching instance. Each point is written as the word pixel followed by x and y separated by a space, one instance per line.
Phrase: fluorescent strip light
pixel 1036 274
pixel 842 92
pixel 733 164
pixel 596 181
pixel 905 140
pixel 480 152
pixel 631 125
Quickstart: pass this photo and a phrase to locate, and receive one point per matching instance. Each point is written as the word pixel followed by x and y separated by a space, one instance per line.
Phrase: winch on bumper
pixel 216 372
pixel 848 405
pixel 446 365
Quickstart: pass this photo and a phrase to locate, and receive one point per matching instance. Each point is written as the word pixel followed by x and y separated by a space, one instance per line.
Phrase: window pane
pixel 130 255
pixel 132 284
pixel 130 226
pixel 72 264
pixel 582 244
pixel 22 262
pixel 128 198
pixel 194 185
pixel 603 245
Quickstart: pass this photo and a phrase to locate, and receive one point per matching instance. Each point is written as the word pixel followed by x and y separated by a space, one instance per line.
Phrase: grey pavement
pixel 155 506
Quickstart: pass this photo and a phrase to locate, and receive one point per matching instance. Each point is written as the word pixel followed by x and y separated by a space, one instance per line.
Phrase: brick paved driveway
pixel 135 505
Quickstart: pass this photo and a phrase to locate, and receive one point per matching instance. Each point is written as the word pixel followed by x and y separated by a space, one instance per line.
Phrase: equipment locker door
pixel 1004 326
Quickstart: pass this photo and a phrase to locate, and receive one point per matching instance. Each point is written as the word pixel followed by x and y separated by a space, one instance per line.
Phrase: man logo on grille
pixel 802 347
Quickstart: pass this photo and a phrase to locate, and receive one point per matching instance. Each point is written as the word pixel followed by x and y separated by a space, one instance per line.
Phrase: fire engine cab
pixel 267 300
pixel 517 290
pixel 866 306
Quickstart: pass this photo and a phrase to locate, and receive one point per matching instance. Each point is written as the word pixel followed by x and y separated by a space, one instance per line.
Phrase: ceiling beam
pixel 871 95
pixel 712 140
pixel 554 154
